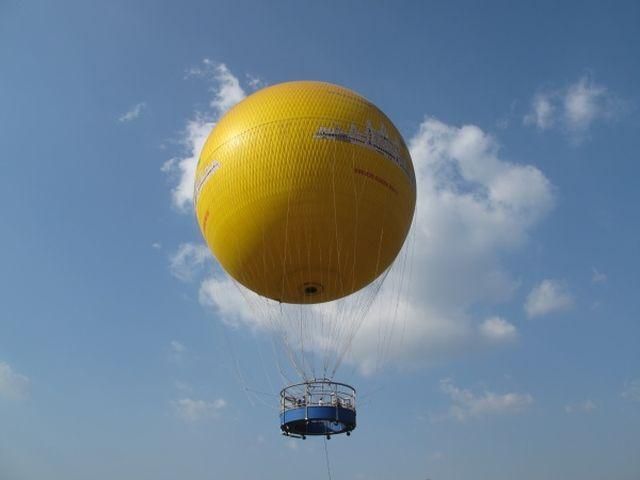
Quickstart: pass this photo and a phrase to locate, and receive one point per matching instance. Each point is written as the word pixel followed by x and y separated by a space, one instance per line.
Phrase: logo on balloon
pixel 370 138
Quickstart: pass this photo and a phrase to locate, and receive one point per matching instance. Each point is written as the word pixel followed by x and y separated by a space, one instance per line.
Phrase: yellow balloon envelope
pixel 305 192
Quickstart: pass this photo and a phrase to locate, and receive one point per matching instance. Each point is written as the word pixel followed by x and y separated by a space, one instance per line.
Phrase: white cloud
pixel 192 410
pixel 229 300
pixel 420 335
pixel 188 260
pixel 227 92
pixel 184 168
pixel 631 390
pixel 226 87
pixel 254 82
pixel 542 111
pixel 133 113
pixel 586 406
pixel 169 165
pixel 497 329
pixel 548 296
pixel 598 277
pixel 574 109
pixel 465 404
pixel 584 102
pixel 13 385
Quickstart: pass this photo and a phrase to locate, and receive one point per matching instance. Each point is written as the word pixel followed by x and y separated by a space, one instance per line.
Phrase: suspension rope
pixel 326 456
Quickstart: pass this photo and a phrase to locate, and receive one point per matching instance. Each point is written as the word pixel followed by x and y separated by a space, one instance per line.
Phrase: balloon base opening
pixel 317 407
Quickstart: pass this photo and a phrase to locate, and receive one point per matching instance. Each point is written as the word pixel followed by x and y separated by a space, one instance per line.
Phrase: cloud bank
pixel 133 113
pixel 466 405
pixel 498 330
pixel 194 410
pixel 549 296
pixel 188 260
pixel 474 208
pixel 227 92
pixel 574 109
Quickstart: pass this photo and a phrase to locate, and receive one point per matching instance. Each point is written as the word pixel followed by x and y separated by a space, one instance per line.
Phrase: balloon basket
pixel 317 407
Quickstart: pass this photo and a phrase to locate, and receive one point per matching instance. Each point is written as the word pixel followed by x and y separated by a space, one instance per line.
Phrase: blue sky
pixel 517 352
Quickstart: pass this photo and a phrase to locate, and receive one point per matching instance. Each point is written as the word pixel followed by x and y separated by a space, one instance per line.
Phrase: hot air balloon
pixel 305 192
